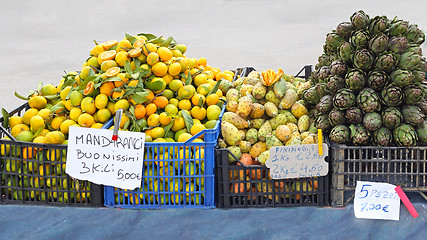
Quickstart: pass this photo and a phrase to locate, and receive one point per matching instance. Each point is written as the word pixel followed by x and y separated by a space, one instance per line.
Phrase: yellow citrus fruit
pixel 198 99
pixel 97 125
pixel 200 79
pixel 136 52
pixel 121 104
pixel 88 105
pixel 26 118
pixel 153 120
pixel 164 53
pixel 56 122
pixel 107 55
pixel 192 62
pixel 85 72
pixel 178 124
pixel 181 47
pixel 204 89
pixel 109 44
pixel 15 120
pixel 75 113
pixel 17 129
pixel 65 126
pixel 121 58
pixel 40 139
pixel 107 88
pixel 151 108
pixel 123 78
pixel 184 104
pixel 86 120
pixel 171 109
pixel 133 83
pixel 174 69
pixel 97 50
pixel 212 99
pixel 196 128
pixel 103 115
pixel 124 120
pixel 176 53
pixel 101 101
pixel 49 89
pixel 110 107
pixel 68 104
pixel 152 58
pixel 112 72
pixel 174 101
pixel 142 58
pixel 184 137
pixel 186 91
pixel 198 112
pixel 124 45
pixel 164 119
pixel 44 132
pixel 38 102
pixel 148 48
pixel 139 43
pixel 55 137
pixel 213 112
pixel 202 61
pixel 159 69
pixel 107 65
pixel 157 132
pixel 36 122
pixel 117 94
pixel 147 68
pixel 175 85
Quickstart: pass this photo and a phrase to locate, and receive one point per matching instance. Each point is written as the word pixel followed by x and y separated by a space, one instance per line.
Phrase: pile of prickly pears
pixel 264 113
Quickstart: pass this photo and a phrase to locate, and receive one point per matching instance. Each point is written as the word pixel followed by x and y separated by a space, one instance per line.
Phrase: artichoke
pixel 355 79
pixel 412 115
pixel 402 78
pixel 315 76
pixel 398 27
pixel 359 135
pixel 392 95
pixel 322 89
pixel 419 76
pixel 414 34
pixel 334 40
pixel 422 132
pixel 325 104
pixel 324 60
pixel 354 115
pixel 386 62
pixel 378 24
pixel 346 52
pixel 377 80
pixel 324 73
pixel 363 59
pixel 322 122
pixel 382 137
pixel 423 106
pixel 310 96
pixel 405 135
pixel 415 49
pixel 379 43
pixel 336 117
pixel 391 117
pixel 360 20
pixel 360 38
pixel 338 67
pixel 340 134
pixel 410 61
pixel 344 99
pixel 372 121
pixel 335 83
pixel 345 29
pixel 368 100
pixel 414 94
pixel 397 44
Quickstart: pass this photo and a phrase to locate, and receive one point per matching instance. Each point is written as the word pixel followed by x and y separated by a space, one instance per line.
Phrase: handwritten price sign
pixel 93 155
pixel 376 201
pixel 297 161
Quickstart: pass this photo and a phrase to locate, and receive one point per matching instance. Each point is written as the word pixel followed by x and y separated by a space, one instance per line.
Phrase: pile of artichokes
pixel 369 85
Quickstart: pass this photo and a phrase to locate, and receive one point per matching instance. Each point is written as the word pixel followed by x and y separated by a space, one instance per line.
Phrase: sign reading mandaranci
pixel 92 155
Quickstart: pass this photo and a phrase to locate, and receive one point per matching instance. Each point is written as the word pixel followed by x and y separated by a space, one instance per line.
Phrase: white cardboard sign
pixel 92 155
pixel 375 200
pixel 297 161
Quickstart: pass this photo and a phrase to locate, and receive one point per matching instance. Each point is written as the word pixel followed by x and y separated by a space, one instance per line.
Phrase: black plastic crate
pixel 241 186
pixel 33 173
pixel 406 167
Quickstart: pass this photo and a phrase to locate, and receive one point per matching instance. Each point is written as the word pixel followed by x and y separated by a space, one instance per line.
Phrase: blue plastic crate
pixel 186 179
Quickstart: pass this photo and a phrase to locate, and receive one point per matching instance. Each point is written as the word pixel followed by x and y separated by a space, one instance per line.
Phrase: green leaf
pixel 113 79
pixel 84 83
pixel 91 73
pixel 167 42
pixel 140 97
pixel 51 97
pixel 131 38
pixel 156 85
pixel 132 110
pixel 21 97
pixel 39 131
pixel 215 87
pixel 69 81
pixel 96 43
pixel 157 40
pixel 188 80
pixel 200 103
pixel 168 127
pixel 126 125
pixel 5 118
pixel 39 86
pixel 187 120
pixel 137 63
pixel 127 67
pixel 198 72
pixel 149 36
pixel 135 75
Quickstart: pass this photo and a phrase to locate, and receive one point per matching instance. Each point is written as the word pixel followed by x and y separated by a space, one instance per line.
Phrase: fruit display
pixel 265 110
pixel 369 86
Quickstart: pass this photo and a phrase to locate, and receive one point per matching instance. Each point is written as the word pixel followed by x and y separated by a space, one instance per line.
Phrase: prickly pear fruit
pixel 264 129
pixel 263 157
pixel 283 133
pixel 302 87
pixel 257 123
pixel 259 91
pixel 303 123
pixel 245 89
pixel 251 80
pixel 254 74
pixel 232 95
pixel 225 85
pixel 298 110
pixel 252 136
pixel 230 133
pixel 296 140
pixel 304 135
pixel 290 98
pixel 242 134
pixel 280 88
pixel 244 106
pixel 257 111
pixel 231 106
pixel 238 82
pixel 257 149
pixel 277 120
pixel 289 116
pixel 308 140
pixel 235 119
pixel 244 146
pixel 312 128
pixel 273 141
pixel 236 152
pixel 221 143
pixel 271 109
pixel 271 97
pixel 292 126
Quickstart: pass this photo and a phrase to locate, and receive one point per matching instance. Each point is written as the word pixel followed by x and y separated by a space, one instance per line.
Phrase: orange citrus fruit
pixel 106 88
pixel 140 111
pixel 151 108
